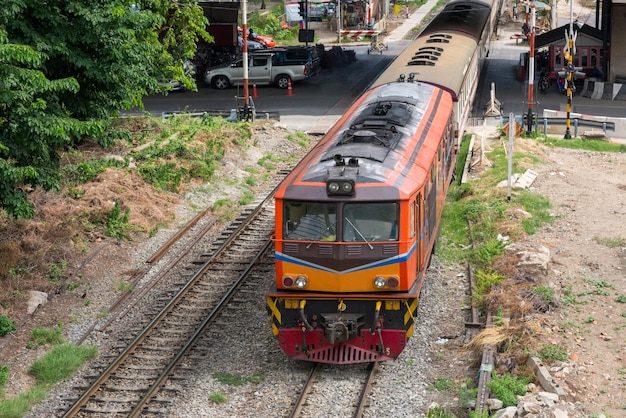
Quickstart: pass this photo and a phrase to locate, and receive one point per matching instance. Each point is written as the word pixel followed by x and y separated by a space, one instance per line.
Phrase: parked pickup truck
pixel 276 66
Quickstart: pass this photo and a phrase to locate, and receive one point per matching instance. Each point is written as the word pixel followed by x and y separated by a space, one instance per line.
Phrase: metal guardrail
pixel 574 122
pixel 231 114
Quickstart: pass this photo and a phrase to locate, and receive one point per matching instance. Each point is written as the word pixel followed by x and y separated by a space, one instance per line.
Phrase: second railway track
pixel 127 383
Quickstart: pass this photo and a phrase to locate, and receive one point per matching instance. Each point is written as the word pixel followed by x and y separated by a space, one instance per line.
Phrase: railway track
pixel 313 401
pixel 128 384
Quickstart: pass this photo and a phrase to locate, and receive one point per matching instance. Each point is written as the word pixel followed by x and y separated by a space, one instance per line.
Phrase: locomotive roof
pixel 389 136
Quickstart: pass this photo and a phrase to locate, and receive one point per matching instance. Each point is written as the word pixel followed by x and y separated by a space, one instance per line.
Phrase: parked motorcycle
pixel 544 81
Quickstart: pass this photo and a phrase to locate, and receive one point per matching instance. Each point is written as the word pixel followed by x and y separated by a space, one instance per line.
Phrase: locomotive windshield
pixel 360 222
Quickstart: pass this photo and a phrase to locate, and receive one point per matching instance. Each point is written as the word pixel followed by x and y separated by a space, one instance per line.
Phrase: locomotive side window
pixel 310 221
pixel 367 222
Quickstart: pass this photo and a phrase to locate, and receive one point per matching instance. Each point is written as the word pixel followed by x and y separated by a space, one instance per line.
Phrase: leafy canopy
pixel 67 67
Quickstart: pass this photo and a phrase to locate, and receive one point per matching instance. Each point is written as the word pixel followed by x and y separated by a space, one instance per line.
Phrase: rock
pixel 35 299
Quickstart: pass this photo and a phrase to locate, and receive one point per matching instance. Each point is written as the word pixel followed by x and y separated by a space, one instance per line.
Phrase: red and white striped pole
pixel 531 70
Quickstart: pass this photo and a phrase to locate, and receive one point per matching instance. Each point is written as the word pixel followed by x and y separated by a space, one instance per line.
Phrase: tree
pixel 67 67
pixel 33 126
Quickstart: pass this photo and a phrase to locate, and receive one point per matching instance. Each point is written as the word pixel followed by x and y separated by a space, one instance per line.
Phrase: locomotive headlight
pixel 340 187
pixel 380 282
pixel 301 282
pixel 346 187
pixel 287 281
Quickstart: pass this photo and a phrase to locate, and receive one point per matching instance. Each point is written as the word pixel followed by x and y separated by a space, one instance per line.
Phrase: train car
pixel 357 219
pixel 450 53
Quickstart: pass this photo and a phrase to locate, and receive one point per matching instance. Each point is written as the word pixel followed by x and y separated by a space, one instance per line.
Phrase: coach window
pixel 369 222
pixel 310 221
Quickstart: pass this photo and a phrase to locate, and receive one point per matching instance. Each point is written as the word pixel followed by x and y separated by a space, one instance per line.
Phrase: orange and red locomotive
pixel 357 219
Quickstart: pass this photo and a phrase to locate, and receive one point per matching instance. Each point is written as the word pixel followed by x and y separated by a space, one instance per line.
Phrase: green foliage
pixel 166 176
pixel 57 87
pixel 485 280
pixel 586 144
pixel 237 380
pixel 611 242
pixel 4 375
pixel 116 222
pixel 44 336
pixel 7 325
pixel 218 397
pixel 442 383
pixel 545 293
pixel 57 272
pixel 18 406
pixel 247 198
pixel 439 412
pixel 553 352
pixel 61 362
pixel 507 387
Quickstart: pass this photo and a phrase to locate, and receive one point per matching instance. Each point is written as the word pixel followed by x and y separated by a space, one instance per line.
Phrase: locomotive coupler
pixel 341 327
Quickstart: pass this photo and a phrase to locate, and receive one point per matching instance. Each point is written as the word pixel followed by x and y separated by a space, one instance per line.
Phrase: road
pixel 315 104
pixel 318 102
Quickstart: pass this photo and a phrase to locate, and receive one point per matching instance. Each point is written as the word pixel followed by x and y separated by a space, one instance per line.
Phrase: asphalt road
pixel 314 104
pixel 318 102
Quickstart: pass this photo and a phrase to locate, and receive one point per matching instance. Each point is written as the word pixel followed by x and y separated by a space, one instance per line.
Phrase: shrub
pixel 7 326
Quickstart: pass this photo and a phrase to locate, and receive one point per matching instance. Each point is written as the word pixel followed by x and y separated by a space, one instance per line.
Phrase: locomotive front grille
pixel 343 354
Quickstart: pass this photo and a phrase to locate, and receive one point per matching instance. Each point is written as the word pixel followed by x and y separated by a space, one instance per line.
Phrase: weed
pixel 267 161
pixel 125 287
pixel 545 293
pixel 61 362
pixel 620 298
pixel 237 380
pixel 19 405
pixel 72 285
pixel 507 387
pixel 246 198
pixel 590 319
pixel 611 242
pixel 485 281
pixel 45 336
pixel 57 271
pixel 553 352
pixel 250 181
pixel 442 383
pixel 218 397
pixel 4 375
pixel 440 412
pixel 116 222
pixel 7 325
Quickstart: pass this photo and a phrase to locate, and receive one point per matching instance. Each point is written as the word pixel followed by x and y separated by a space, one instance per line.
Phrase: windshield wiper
pixel 360 234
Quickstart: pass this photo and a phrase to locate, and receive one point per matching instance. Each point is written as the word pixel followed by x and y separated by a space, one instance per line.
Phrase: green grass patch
pixel 586 144
pixel 611 242
pixel 61 363
pixel 238 380
pixel 507 387
pixel 19 405
pixel 218 397
pixel 46 336
pixel 553 352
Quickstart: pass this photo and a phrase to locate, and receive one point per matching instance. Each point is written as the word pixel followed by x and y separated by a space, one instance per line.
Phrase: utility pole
pixel 244 48
pixel 531 69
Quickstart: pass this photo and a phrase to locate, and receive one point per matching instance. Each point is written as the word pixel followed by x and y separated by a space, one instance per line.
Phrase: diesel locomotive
pixel 357 219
